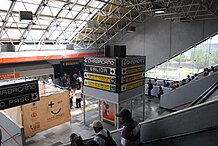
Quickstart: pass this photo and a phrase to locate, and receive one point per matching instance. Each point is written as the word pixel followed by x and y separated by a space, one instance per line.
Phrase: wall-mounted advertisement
pixel 108 112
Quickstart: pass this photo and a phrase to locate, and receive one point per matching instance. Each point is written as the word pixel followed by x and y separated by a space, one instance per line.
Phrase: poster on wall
pixel 108 112
pixel 50 111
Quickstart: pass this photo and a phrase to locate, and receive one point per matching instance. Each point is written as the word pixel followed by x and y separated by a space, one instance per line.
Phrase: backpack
pixel 109 141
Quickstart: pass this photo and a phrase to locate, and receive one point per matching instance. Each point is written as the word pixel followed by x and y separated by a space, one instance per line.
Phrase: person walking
pixel 130 134
pixel 78 96
pixel 150 87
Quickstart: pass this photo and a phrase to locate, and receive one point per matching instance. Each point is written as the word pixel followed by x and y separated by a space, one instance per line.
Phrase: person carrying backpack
pixel 103 136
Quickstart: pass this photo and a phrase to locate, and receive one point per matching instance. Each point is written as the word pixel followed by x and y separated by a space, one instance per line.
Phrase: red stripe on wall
pixel 181 105
pixel 49 57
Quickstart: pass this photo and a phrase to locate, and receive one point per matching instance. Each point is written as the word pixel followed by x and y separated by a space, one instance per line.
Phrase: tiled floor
pixel 60 134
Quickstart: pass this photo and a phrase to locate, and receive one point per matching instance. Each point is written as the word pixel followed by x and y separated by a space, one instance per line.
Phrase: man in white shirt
pixel 78 96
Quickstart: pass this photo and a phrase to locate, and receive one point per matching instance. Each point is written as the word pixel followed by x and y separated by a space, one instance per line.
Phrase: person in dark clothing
pixel 160 92
pixel 150 87
pixel 76 140
pixel 92 143
pixel 130 134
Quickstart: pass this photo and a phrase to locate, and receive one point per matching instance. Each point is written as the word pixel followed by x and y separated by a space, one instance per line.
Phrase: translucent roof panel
pixel 12 34
pixel 5 5
pixel 34 34
pixel 50 11
pixel 58 21
pixel 22 6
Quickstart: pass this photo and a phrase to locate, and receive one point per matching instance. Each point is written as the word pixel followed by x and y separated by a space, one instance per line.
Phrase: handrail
pixel 181 135
pixel 205 94
pixel 157 119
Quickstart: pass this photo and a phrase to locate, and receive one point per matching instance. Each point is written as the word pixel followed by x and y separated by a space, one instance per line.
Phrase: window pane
pixel 214 51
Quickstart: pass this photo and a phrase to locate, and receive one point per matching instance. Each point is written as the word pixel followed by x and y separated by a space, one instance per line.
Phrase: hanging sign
pixel 132 77
pixel 133 69
pixel 132 61
pixel 100 70
pixel 132 85
pixel 100 85
pixel 102 78
pixel 100 61
pixel 12 95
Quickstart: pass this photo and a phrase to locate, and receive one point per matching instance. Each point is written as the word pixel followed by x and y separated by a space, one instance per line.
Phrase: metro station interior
pixel 112 51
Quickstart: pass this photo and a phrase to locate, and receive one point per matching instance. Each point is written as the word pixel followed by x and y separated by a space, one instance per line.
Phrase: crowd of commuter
pixel 130 133
pixel 175 84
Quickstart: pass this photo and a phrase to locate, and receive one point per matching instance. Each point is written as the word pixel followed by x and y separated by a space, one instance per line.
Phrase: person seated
pixel 188 79
pixel 196 77
pixel 183 82
pixel 212 70
pixel 206 71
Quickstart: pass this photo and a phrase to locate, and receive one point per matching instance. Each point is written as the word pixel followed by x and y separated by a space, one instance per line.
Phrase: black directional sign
pixel 100 70
pixel 131 61
pixel 100 61
pixel 12 95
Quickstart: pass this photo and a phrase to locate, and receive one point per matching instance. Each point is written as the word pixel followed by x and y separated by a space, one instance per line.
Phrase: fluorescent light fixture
pixel 159 12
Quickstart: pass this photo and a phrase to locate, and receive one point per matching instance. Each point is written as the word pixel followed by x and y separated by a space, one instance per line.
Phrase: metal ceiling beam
pixel 7 16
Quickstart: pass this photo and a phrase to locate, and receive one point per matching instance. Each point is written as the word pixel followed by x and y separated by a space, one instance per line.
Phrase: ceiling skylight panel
pixel 2 16
pixel 12 34
pixel 5 4
pixel 54 35
pixel 83 2
pixel 96 4
pixel 35 34
pixel 20 6
pixel 50 11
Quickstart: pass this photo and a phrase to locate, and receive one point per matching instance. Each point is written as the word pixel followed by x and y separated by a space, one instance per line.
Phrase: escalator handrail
pixel 203 94
pixel 209 93
pixel 181 135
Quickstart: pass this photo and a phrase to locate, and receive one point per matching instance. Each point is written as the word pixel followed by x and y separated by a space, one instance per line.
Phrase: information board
pixel 132 85
pixel 133 69
pixel 100 70
pixel 100 85
pixel 132 61
pixel 98 77
pixel 98 61
pixel 132 77
pixel 18 94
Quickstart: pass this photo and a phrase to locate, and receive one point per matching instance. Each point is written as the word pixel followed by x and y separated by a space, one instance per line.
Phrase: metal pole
pixel 84 109
pixel 143 106
pixel 117 119
pixel 99 110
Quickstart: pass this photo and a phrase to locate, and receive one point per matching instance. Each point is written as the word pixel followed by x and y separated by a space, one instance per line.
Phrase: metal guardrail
pixel 181 135
pixel 205 94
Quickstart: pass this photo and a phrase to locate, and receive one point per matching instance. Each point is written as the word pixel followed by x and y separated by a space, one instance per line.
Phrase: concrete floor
pixel 60 134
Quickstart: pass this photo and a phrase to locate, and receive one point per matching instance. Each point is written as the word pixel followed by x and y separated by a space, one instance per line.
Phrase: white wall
pixel 160 39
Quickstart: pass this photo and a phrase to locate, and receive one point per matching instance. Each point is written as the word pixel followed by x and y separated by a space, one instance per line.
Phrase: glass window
pixel 213 53
pixel 189 62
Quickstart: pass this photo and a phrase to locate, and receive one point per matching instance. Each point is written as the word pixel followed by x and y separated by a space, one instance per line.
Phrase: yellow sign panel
pixel 102 78
pixel 100 85
pixel 132 85
pixel 130 70
pixel 134 77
